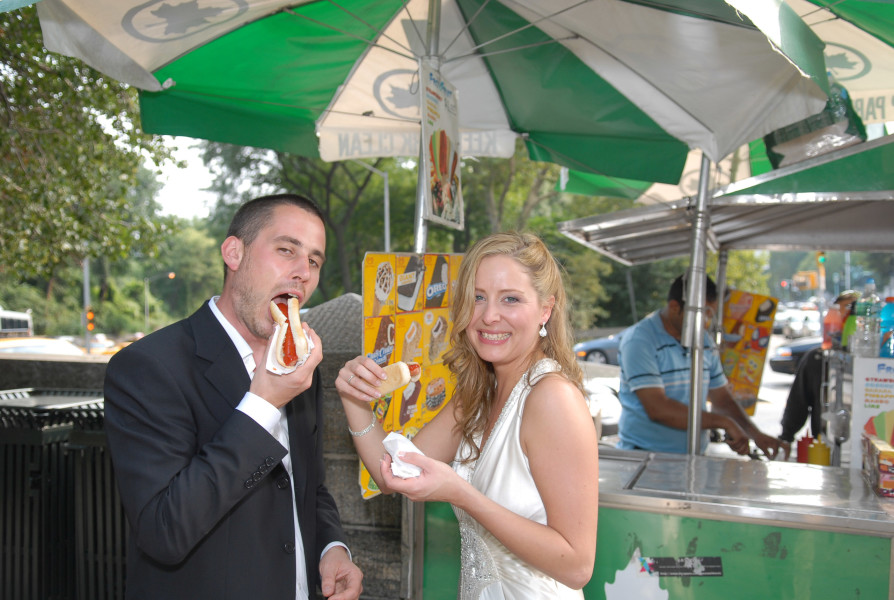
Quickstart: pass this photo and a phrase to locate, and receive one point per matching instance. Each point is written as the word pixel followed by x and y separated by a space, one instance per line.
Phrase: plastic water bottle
pixel 866 340
pixel 886 326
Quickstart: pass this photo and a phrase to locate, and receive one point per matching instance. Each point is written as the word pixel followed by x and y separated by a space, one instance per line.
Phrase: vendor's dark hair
pixel 678 290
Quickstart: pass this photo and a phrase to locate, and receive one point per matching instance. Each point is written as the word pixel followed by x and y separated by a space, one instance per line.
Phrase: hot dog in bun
pixel 291 342
pixel 398 375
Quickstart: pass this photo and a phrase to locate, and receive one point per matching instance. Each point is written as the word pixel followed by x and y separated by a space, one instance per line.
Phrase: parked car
pixel 602 350
pixel 605 406
pixel 781 318
pixel 39 345
pixel 787 357
pixel 803 323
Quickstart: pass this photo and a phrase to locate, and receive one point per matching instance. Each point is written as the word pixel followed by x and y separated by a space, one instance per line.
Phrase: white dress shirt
pixel 274 421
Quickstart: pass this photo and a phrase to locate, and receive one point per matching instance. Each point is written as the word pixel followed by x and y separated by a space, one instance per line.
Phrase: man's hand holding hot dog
pixel 279 390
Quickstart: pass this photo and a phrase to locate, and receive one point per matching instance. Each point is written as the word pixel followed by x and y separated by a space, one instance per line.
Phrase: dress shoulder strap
pixel 543 367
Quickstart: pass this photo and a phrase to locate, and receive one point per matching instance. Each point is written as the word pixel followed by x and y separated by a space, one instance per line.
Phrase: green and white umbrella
pixel 609 86
pixel 859 39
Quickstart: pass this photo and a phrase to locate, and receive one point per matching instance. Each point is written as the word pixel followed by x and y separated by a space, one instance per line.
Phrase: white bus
pixel 15 324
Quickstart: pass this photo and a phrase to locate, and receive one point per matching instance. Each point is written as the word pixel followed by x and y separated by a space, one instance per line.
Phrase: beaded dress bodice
pixel 489 571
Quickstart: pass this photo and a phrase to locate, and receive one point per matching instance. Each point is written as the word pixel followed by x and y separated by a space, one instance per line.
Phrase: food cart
pixel 688 526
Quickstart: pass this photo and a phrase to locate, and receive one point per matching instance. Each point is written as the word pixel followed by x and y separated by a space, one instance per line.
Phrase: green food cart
pixel 683 527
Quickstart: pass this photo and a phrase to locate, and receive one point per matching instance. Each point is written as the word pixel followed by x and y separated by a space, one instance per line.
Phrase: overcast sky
pixel 182 193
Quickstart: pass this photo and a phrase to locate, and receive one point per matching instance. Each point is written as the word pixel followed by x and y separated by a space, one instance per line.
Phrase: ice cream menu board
pixel 406 299
pixel 441 149
pixel 747 325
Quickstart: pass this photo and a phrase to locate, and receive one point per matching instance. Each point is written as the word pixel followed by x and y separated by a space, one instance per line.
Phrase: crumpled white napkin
pixel 273 365
pixel 394 443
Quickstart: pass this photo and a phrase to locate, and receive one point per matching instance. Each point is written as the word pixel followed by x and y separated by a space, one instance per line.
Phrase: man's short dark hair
pixel 255 214
pixel 678 290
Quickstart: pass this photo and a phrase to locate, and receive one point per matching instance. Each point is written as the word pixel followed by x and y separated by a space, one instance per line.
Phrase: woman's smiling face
pixel 507 314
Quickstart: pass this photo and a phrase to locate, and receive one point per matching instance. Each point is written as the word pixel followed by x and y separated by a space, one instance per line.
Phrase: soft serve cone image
pixel 384 285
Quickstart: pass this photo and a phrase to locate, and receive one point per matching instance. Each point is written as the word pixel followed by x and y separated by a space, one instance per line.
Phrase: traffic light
pixel 784 283
pixel 820 259
pixel 90 316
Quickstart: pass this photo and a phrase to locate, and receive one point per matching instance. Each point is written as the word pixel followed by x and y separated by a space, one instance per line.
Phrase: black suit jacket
pixel 202 484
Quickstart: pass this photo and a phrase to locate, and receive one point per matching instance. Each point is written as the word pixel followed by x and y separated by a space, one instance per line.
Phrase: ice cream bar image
pixel 411 342
pixel 408 403
pixel 409 283
pixel 434 295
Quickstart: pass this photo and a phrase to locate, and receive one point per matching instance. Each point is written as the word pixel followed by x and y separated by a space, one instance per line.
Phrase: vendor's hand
pixel 737 439
pixel 340 579
pixel 771 446
pixel 279 390
pixel 359 379
pixel 436 483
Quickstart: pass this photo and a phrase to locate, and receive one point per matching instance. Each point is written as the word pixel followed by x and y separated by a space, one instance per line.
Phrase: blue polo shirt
pixel 650 357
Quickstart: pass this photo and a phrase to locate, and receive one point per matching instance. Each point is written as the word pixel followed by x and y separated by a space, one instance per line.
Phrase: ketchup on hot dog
pixel 289 353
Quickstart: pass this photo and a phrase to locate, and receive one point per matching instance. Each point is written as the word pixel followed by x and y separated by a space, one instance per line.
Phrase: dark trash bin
pixel 56 514
pixel 101 530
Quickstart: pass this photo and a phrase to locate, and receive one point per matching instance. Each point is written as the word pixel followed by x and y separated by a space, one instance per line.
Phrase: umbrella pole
pixel 420 227
pixel 694 321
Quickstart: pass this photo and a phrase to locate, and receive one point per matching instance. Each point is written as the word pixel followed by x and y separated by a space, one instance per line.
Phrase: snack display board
pixel 406 301
pixel 747 325
pixel 441 139
pixel 873 404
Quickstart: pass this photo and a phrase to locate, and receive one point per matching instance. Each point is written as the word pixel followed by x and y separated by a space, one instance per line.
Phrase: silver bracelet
pixel 365 431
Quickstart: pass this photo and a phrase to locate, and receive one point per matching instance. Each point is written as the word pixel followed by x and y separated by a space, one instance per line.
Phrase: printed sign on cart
pixel 873 404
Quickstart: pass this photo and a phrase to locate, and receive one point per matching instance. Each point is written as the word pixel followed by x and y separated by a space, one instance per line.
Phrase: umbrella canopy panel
pixel 840 201
pixel 859 50
pixel 607 86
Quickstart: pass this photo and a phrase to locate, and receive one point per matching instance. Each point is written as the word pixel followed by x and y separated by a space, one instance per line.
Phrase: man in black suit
pixel 219 463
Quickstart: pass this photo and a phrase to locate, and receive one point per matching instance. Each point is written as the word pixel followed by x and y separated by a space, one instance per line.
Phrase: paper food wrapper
pixel 273 365
pixel 395 443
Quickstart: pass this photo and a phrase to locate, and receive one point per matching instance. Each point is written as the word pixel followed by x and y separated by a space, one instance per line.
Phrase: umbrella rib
pixel 513 32
pixel 514 49
pixel 466 25
pixel 371 44
pixel 381 32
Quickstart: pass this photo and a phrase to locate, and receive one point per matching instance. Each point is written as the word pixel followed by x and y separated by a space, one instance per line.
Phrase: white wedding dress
pixel 489 570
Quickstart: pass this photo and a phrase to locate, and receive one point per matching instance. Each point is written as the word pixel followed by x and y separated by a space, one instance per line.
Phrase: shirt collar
pixel 242 346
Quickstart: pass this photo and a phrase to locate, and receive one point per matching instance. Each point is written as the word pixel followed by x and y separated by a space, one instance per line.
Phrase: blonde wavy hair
pixel 474 395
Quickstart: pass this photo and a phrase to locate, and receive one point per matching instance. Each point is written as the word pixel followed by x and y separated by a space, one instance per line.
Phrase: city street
pixel 771 401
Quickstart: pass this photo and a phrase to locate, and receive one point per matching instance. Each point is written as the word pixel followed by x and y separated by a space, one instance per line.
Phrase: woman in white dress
pixel 524 480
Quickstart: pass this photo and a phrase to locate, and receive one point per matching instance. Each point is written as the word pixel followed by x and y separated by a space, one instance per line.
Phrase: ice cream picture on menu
pixel 441 149
pixel 378 284
pixel 406 321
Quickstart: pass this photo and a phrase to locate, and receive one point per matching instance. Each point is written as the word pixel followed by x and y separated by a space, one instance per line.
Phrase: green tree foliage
pixel 350 196
pixel 70 155
pixel 194 256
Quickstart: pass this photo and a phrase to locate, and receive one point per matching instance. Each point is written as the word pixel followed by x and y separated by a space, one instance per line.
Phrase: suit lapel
pixel 225 371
